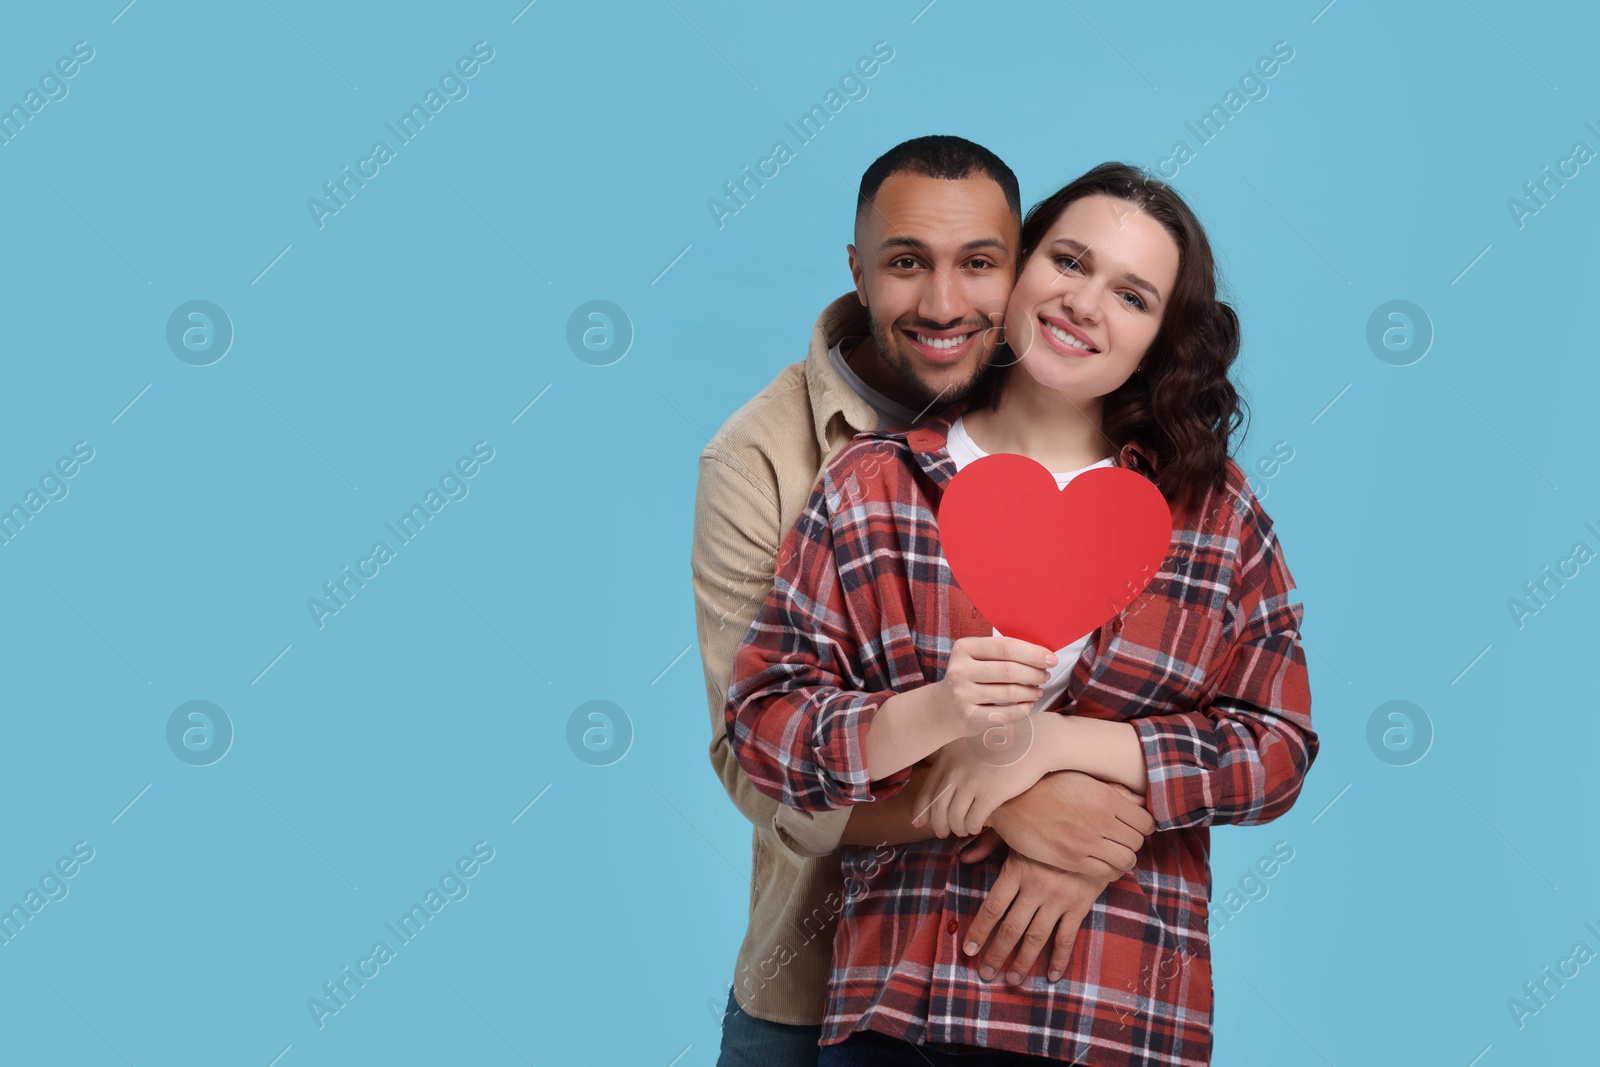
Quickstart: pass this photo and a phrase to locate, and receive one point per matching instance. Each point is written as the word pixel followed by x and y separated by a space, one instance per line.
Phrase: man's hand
pixel 1077 823
pixel 1034 900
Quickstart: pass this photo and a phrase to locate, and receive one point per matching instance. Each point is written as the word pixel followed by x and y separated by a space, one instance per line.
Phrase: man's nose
pixel 941 297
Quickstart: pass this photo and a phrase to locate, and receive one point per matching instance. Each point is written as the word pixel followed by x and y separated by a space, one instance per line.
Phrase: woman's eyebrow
pixel 1085 253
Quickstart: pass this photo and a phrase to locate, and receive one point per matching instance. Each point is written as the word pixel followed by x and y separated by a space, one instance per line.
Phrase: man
pixel 933 259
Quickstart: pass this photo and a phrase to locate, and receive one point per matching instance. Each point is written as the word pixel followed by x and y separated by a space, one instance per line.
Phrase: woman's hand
pixel 992 680
pixel 962 787
pixel 989 682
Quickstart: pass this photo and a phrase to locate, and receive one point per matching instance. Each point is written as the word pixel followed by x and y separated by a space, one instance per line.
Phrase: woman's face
pixel 1090 298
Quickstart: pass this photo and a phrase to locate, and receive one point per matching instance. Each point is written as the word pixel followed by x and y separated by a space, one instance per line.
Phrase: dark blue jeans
pixel 751 1042
pixel 868 1048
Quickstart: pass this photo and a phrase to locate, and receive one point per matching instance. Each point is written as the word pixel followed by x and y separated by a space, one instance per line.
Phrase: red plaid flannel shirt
pixel 1206 664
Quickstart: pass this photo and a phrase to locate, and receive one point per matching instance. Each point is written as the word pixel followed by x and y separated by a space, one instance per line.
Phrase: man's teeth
pixel 1065 337
pixel 941 342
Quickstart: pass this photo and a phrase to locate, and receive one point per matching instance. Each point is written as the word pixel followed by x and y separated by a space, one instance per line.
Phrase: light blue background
pixel 431 310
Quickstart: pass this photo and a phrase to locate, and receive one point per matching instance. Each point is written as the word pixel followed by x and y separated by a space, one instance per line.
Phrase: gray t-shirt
pixel 889 412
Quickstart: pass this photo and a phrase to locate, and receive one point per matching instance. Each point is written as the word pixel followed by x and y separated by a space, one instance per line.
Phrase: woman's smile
pixel 1065 337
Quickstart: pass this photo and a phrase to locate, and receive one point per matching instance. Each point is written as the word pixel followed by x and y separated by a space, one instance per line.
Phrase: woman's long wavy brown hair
pixel 1181 407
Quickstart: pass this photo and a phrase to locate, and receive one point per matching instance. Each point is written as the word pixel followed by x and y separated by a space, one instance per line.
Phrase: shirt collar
pixel 831 396
pixel 929 445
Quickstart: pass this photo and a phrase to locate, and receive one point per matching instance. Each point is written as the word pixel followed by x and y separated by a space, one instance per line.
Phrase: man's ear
pixel 857 274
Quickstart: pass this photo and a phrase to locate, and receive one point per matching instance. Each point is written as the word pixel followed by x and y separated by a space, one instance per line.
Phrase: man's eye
pixel 981 263
pixel 903 263
pixel 1067 262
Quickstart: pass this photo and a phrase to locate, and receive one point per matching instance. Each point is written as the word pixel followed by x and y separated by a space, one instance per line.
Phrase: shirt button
pixel 1116 626
pixel 952 926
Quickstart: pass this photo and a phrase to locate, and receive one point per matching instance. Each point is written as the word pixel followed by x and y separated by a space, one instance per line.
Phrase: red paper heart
pixel 1050 565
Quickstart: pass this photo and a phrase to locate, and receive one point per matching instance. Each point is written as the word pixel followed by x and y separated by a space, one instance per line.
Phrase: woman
pixel 867 658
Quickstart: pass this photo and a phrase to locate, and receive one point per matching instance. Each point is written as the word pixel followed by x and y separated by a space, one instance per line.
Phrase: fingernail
pixel 987 972
pixel 970 948
pixel 1055 976
pixel 1050 658
pixel 1014 978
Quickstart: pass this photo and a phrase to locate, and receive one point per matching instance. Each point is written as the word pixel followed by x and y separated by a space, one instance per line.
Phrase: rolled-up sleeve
pixel 798 706
pixel 1242 756
pixel 736 535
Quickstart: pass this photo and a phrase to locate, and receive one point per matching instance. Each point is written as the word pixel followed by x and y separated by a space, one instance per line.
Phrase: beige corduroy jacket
pixel 756 475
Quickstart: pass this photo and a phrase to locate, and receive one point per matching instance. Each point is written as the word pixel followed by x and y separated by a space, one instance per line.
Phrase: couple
pixel 923 899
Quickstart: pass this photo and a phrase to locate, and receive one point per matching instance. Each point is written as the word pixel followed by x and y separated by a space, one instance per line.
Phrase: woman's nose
pixel 1082 301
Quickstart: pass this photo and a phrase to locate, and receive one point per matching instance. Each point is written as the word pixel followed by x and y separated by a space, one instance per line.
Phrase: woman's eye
pixel 1067 262
pixel 1134 301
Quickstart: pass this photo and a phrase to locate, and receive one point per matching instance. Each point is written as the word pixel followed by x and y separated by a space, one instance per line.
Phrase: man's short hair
pixel 938 156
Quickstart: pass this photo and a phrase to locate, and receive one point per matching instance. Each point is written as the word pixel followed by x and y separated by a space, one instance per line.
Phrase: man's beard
pixel 889 341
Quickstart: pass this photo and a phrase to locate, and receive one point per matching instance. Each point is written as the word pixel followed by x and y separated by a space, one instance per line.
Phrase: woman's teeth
pixel 1066 338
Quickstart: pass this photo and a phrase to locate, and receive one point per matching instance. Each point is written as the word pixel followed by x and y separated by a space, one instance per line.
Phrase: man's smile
pixel 941 346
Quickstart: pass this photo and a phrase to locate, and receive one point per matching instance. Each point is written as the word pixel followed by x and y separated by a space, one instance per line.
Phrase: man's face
pixel 933 262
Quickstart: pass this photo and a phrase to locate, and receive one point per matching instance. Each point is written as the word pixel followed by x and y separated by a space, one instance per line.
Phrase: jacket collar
pixel 928 443
pixel 831 396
